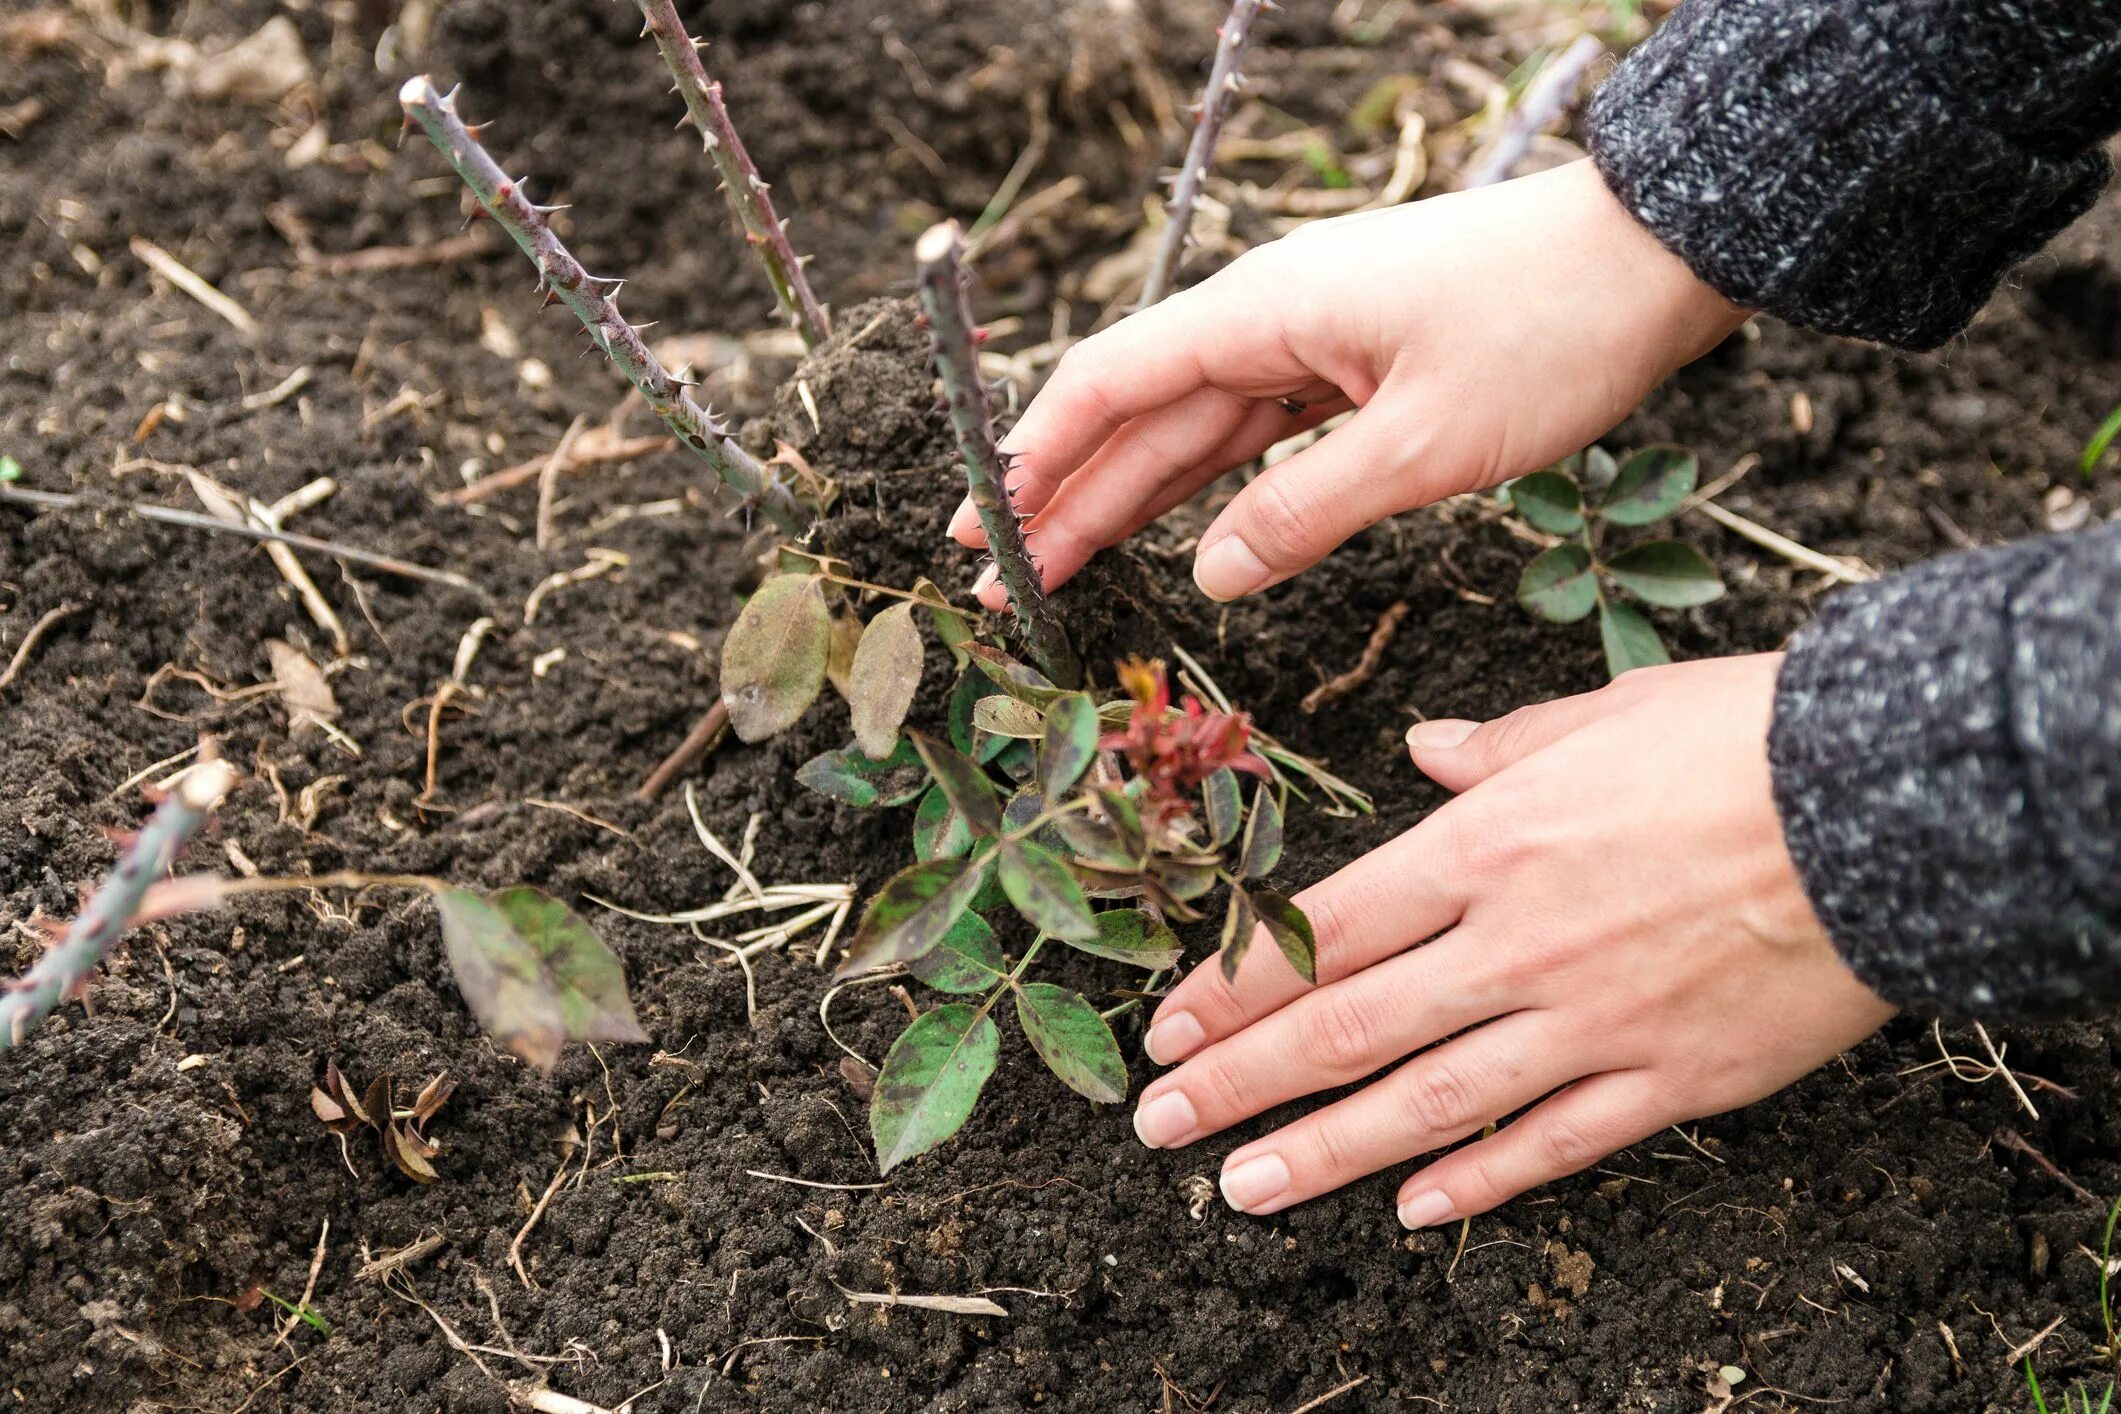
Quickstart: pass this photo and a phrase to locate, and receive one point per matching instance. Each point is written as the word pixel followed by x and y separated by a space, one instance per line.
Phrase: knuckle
pixel 1566 1144
pixel 1278 520
pixel 1226 1094
pixel 1335 1151
pixel 1328 915
pixel 1341 1033
pixel 1439 1101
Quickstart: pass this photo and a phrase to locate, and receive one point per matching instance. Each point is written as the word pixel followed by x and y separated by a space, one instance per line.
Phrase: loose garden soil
pixel 1874 1238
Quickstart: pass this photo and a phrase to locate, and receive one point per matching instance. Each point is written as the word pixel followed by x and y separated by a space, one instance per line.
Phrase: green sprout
pixel 1578 500
pixel 2095 450
pixel 305 1313
pixel 2079 1400
pixel 10 469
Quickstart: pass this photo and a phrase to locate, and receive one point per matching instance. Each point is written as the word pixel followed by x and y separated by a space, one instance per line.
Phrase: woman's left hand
pixel 1605 923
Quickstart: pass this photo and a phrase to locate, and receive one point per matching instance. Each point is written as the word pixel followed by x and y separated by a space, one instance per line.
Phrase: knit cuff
pixel 1935 773
pixel 1814 161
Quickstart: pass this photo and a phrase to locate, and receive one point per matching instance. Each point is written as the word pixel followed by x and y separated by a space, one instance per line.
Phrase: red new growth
pixel 1175 751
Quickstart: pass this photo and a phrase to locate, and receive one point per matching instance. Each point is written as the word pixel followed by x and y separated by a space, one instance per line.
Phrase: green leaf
pixel 1025 683
pixel 885 675
pixel 1291 931
pixel 1073 1041
pixel 1239 922
pixel 913 912
pixel 969 959
pixel 971 690
pixel 1548 501
pixel 1125 820
pixel 1094 842
pixel 1630 641
pixel 11 470
pixel 1263 834
pixel 533 973
pixel 1005 716
pixel 1650 485
pixel 951 626
pixel 1045 892
pixel 851 777
pixel 2094 451
pixel 1225 802
pixel 1134 936
pixel 1186 881
pixel 1018 760
pixel 970 791
pixel 1668 573
pixel 930 1081
pixel 1559 585
pixel 773 662
pixel 839 657
pixel 1069 746
pixel 1597 469
pixel 939 832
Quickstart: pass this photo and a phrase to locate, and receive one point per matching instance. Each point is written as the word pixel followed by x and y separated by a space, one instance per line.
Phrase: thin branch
pixel 1224 80
pixel 29 642
pixel 1547 98
pixel 705 735
pixel 940 251
pixel 747 193
pixel 590 298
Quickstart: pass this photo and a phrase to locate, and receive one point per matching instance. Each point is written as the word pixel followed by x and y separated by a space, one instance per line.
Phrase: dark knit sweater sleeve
pixel 1863 167
pixel 1947 761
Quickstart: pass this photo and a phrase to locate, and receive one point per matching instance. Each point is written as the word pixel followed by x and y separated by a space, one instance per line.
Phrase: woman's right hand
pixel 1482 335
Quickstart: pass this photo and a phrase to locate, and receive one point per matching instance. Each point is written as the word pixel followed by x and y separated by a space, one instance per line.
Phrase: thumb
pixel 1459 755
pixel 1294 514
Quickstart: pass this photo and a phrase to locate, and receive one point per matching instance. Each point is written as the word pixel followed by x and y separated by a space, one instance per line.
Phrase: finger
pixel 1459 755
pixel 1322 1040
pixel 1382 904
pixel 1295 513
pixel 1435 1099
pixel 1586 1122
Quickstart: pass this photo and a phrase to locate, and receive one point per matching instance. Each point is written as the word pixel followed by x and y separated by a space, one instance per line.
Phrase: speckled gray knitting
pixel 1947 761
pixel 1863 167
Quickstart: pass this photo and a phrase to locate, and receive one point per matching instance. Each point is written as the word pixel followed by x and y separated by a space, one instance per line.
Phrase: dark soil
pixel 1869 1238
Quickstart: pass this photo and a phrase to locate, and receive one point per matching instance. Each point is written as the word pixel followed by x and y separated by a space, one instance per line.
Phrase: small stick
pixel 548 481
pixel 1845 571
pixel 223 505
pixel 705 735
pixel 170 515
pixel 1330 1395
pixel 37 630
pixel 564 280
pixel 65 969
pixel 1373 652
pixel 523 473
pixel 747 193
pixel 813 1183
pixel 398 257
pixel 515 1248
pixel 184 278
pixel 1223 82
pixel 942 279
pixel 309 1288
pixel 1546 99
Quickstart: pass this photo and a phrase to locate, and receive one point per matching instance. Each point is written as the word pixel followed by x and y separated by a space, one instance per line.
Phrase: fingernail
pixel 1173 1038
pixel 1255 1183
pixel 1228 569
pixel 966 517
pixel 1165 1120
pixel 1426 1209
pixel 1439 735
pixel 987 576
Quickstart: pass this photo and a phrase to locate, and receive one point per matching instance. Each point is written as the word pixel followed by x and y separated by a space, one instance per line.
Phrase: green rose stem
pixel 65 969
pixel 1224 80
pixel 747 193
pixel 940 253
pixel 564 279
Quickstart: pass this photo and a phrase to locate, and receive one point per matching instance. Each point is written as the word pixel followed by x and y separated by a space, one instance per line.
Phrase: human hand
pixel 1620 941
pixel 1483 335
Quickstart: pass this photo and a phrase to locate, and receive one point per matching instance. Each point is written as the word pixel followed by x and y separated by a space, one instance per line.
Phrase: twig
pixel 1224 80
pixel 1330 1395
pixel 549 479
pixel 1546 99
pixel 523 473
pixel 1335 688
pixel 184 278
pixel 2033 1342
pixel 309 1288
pixel 515 1248
pixel 64 970
pixel 1846 571
pixel 225 506
pixel 813 1183
pixel 590 298
pixel 705 735
pixel 1996 1059
pixel 385 258
pixel 949 1305
pixel 190 520
pixel 2013 1140
pixel 720 851
pixel 747 193
pixel 29 642
pixel 942 283
pixel 377 1268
